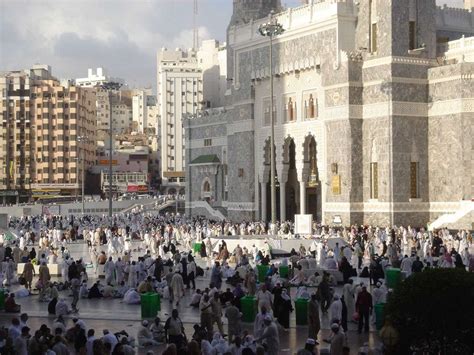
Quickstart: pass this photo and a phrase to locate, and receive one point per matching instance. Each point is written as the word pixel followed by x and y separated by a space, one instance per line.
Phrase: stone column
pixel 263 215
pixel 282 201
pixel 302 197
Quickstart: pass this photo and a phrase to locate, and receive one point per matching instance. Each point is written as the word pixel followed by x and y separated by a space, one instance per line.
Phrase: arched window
pixel 206 190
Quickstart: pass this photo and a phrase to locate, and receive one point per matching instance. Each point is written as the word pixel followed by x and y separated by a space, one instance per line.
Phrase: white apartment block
pixel 98 78
pixel 180 92
pixel 145 112
pixel 188 81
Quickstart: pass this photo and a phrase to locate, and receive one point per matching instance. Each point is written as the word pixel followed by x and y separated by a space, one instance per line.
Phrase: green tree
pixel 434 312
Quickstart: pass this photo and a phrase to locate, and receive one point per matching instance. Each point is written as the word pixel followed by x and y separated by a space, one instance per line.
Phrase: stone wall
pixel 451 135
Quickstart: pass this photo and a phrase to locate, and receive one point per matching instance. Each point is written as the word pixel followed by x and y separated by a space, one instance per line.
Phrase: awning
pixel 206 159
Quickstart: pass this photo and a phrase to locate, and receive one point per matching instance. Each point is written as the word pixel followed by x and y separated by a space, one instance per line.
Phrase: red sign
pixel 142 188
pixel 137 188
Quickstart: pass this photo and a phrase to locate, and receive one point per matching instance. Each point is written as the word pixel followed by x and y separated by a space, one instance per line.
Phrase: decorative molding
pixel 379 109
pixel 398 60
pixel 449 107
pixel 205 169
pixel 398 207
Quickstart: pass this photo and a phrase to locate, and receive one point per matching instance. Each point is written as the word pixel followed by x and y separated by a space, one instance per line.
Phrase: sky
pixel 119 35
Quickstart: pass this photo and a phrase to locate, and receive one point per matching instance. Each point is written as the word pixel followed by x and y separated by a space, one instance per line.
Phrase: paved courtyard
pixel 114 315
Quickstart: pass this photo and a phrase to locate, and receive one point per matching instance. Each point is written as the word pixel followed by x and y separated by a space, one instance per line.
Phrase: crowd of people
pixel 136 253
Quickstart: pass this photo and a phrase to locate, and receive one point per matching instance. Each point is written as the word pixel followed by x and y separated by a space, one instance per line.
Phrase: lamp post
pixel 111 86
pixel 270 30
pixel 83 140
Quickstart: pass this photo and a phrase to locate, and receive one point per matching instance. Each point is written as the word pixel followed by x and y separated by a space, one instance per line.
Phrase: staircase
pixel 151 206
pixel 445 220
pixel 211 212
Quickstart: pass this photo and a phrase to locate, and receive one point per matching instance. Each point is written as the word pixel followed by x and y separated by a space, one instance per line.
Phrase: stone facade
pixel 368 105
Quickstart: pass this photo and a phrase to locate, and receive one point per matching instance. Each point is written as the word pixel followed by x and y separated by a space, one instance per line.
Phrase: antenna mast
pixel 195 28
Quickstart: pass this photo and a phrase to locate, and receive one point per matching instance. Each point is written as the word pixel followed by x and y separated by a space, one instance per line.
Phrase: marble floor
pixel 114 315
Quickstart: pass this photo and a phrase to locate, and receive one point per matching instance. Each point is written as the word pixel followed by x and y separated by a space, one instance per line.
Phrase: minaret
pixel 246 10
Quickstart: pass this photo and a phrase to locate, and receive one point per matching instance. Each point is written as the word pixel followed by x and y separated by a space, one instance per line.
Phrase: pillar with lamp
pixel 110 87
pixel 272 29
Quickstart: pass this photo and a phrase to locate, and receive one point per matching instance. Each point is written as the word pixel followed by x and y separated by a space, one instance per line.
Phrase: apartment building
pixel 16 134
pixel 47 129
pixel 188 82
pixel 109 102
pixel 145 112
pixel 180 92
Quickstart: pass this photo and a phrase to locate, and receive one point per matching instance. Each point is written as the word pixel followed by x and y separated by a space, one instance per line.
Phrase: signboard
pixel 337 220
pixel 132 188
pixel 303 223
pixel 137 188
pixel 336 184
pixel 107 162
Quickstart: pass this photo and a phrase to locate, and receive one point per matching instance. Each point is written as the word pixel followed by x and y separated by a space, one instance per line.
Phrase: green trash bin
pixel 393 276
pixel 301 308
pixel 249 308
pixel 262 272
pixel 197 248
pixel 284 271
pixel 2 299
pixel 379 315
pixel 150 304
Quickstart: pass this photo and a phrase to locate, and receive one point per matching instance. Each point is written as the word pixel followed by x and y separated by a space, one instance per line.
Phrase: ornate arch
pixel 206 189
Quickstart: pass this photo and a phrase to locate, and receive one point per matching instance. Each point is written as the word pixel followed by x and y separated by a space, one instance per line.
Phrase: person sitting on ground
pixel 83 291
pixel 145 286
pixel 314 280
pixel 234 279
pixel 131 297
pixel 10 305
pixel 62 308
pixel 94 291
pixel 196 298
pixel 108 291
pixel 121 290
pixel 158 330
pixel 298 277
pixel 145 337
pixel 330 263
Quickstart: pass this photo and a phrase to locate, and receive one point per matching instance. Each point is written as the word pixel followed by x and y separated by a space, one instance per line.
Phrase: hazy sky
pixel 119 35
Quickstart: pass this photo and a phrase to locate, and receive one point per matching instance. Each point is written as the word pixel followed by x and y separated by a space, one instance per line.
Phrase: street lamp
pixel 270 30
pixel 110 86
pixel 83 140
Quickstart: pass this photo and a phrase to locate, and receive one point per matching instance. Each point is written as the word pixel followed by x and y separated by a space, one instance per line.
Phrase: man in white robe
pixel 335 310
pixel 348 293
pixel 109 269
pixel 176 288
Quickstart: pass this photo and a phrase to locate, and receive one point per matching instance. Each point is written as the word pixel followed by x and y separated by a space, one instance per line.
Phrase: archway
pixel 267 194
pixel 292 185
pixel 313 183
pixel 206 190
